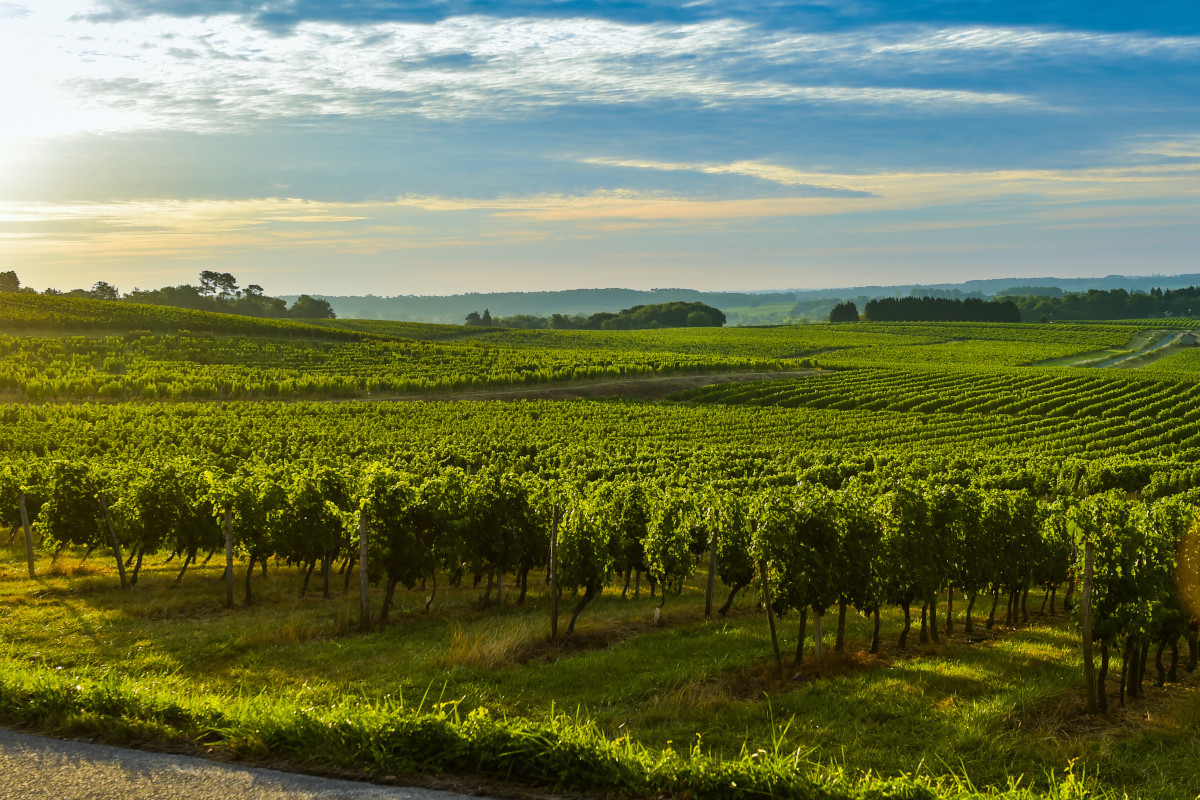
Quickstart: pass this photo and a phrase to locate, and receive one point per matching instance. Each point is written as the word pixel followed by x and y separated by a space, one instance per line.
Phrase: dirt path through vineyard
pixel 639 388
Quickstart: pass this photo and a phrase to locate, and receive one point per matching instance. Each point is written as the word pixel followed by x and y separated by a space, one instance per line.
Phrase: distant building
pixel 1188 340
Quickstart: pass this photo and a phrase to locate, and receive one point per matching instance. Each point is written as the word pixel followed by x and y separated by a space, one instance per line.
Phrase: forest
pixel 1109 304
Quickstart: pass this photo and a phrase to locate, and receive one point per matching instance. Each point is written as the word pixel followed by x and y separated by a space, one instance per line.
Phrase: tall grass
pixel 390 737
pixel 490 643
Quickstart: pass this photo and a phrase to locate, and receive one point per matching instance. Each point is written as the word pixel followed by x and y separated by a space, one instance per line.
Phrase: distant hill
pixel 741 308
pixel 453 309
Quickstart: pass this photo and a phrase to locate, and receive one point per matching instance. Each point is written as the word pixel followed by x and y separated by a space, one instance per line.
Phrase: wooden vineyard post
pixel 28 533
pixel 364 605
pixel 554 574
pixel 1085 617
pixel 228 557
pixel 762 569
pixel 712 575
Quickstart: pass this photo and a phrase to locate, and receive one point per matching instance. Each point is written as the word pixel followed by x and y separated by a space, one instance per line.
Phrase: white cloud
pixel 70 75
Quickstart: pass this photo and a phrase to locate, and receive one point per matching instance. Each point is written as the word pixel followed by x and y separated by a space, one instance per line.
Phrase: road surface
pixel 38 768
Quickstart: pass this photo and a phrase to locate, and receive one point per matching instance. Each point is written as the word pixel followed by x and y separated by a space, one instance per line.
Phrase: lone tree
pixel 307 307
pixel 103 290
pixel 476 320
pixel 222 284
pixel 9 282
pixel 844 312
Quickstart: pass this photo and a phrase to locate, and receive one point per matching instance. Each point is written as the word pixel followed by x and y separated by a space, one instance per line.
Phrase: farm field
pixel 960 461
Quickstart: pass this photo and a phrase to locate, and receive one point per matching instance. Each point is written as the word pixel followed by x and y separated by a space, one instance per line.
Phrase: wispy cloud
pixel 1147 193
pixel 909 190
pixel 107 233
pixel 821 14
pixel 195 216
pixel 1185 146
pixel 222 73
pixel 206 74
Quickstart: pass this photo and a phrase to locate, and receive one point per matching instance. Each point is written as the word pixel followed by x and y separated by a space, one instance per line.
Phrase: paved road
pixel 37 768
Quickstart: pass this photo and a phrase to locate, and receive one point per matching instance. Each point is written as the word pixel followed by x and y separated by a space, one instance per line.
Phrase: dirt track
pixel 648 388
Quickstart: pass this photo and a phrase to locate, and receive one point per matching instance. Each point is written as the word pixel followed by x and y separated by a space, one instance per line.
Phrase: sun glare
pixel 43 53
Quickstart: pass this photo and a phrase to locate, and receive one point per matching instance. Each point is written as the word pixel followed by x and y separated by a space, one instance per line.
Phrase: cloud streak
pixel 817 14
pixel 178 227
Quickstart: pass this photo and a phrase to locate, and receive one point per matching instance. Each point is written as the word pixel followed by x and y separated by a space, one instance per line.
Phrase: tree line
pixel 216 291
pixel 1109 304
pixel 939 309
pixel 658 315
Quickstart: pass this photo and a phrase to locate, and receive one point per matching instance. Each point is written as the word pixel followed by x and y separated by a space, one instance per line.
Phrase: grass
pixel 489 644
pixel 1137 343
pixel 290 679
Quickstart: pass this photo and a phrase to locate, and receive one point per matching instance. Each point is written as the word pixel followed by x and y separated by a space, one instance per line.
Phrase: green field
pixel 156 421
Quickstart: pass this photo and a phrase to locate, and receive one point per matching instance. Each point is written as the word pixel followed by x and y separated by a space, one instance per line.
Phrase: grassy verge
pixel 1138 343
pixel 387 739
pixel 685 709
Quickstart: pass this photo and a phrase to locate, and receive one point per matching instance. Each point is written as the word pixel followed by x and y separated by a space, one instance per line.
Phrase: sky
pixel 394 147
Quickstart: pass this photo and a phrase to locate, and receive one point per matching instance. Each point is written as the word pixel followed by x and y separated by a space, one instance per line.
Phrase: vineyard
pixel 870 537
pixel 1133 396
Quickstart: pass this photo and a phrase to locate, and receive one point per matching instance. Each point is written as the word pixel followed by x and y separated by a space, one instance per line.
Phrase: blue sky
pixel 400 147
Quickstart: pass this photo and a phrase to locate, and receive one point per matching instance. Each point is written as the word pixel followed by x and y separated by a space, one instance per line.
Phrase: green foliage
pixel 72 514
pixel 585 547
pixel 957 514
pixel 152 504
pixel 1109 304
pixel 307 307
pixel 402 527
pixel 16 479
pixel 629 510
pixel 1056 555
pixel 32 312
pixel 735 563
pixel 844 312
pixel 658 315
pixel 940 309
pixel 797 532
pixel 863 571
pixel 916 553
pixel 669 539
